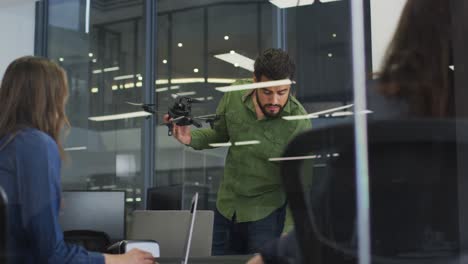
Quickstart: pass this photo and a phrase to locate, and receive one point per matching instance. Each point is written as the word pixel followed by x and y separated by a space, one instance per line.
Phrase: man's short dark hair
pixel 274 64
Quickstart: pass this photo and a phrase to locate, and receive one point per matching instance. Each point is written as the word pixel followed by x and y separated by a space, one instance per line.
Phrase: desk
pixel 240 259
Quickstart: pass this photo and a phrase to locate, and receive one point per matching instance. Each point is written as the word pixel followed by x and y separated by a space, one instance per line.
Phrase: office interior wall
pixel 17 20
pixel 384 18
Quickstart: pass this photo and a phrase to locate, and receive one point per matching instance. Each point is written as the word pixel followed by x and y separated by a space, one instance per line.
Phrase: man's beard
pixel 266 112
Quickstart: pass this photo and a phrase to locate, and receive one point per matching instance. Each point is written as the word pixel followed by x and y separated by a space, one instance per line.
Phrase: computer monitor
pixel 176 197
pixel 94 210
pixel 164 198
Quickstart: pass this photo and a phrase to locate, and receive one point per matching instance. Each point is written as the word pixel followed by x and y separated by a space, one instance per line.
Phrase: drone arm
pixel 196 123
pixel 201 138
pixel 148 108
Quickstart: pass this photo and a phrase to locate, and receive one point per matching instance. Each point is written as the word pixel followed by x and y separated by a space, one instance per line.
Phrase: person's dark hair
pixel 33 93
pixel 416 65
pixel 274 64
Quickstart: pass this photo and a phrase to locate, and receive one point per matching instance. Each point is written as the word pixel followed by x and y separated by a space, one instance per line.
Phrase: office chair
pixel 3 226
pixel 413 191
pixel 89 239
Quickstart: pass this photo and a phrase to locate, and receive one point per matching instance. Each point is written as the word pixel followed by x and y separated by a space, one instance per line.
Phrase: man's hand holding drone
pixel 181 133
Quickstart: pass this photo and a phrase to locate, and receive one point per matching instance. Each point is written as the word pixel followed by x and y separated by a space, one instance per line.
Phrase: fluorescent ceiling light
pixel 162 89
pixel 250 86
pixel 94 90
pixel 200 98
pixel 75 148
pixel 188 80
pixel 291 3
pixel 97 71
pixel 119 116
pixel 163 81
pixel 304 157
pixel 194 80
pixel 181 80
pixel 123 77
pixel 221 80
pixel 294 158
pixel 344 113
pixel 243 143
pixel 316 114
pixel 129 85
pixel 186 93
pixel 238 60
pixel 175 87
pixel 215 145
pixel 116 68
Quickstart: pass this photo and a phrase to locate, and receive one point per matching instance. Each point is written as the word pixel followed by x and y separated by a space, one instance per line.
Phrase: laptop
pixel 171 229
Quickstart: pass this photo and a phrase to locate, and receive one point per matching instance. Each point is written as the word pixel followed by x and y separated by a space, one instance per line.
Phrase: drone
pixel 180 113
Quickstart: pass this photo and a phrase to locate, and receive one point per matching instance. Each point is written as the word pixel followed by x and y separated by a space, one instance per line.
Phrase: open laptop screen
pixel 193 213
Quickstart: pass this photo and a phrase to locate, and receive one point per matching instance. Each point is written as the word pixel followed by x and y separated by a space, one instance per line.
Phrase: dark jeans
pixel 232 238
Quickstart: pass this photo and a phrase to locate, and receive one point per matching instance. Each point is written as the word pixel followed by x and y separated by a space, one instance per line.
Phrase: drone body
pixel 180 113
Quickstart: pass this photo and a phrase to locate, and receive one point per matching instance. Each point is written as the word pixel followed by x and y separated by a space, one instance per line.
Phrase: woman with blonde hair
pixel 33 95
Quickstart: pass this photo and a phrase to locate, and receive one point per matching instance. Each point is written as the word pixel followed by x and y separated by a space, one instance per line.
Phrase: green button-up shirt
pixel 251 187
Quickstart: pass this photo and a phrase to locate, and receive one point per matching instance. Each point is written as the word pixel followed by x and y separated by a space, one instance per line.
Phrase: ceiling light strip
pixel 256 85
pixel 244 143
pixel 75 148
pixel 119 116
pixel 237 60
pixel 293 158
pixel 123 77
pixel 292 3
pixel 316 114
pixel 215 145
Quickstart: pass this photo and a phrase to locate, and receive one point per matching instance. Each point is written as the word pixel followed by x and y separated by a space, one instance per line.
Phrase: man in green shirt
pixel 251 204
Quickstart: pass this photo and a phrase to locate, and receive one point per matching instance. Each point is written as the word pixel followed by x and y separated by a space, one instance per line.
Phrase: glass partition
pixel 193 37
pixel 101 45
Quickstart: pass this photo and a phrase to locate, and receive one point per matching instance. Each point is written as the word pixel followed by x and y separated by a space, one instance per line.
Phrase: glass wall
pixel 101 45
pixel 191 36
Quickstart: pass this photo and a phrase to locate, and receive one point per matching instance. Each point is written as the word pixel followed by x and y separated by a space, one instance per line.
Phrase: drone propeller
pixel 206 117
pixel 138 104
pixel 177 118
pixel 196 100
pixel 146 107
